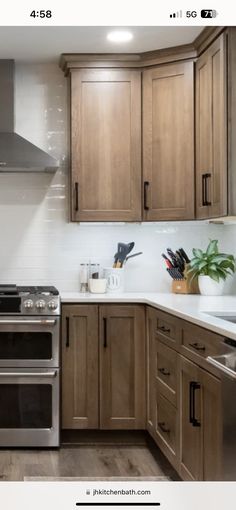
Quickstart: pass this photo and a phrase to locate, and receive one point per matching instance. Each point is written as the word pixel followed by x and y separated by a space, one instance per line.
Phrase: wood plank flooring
pixel 82 461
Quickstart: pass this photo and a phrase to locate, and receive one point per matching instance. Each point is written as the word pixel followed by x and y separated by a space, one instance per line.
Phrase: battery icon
pixel 208 13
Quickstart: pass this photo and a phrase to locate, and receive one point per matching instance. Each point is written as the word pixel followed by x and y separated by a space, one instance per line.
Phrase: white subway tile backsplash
pixel 38 244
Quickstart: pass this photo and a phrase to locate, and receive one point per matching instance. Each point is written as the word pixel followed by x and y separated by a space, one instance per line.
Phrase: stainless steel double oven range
pixel 29 366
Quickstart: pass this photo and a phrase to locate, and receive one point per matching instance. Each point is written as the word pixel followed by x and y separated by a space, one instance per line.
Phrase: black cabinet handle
pixel 67 332
pixel 162 426
pixel 203 189
pixel 164 371
pixel 163 329
pixel 104 332
pixel 193 386
pixel 198 347
pixel 145 201
pixel 207 202
pixel 76 196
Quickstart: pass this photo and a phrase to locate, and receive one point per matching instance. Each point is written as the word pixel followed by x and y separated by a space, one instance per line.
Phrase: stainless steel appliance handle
pixel 222 368
pixel 28 374
pixel 44 322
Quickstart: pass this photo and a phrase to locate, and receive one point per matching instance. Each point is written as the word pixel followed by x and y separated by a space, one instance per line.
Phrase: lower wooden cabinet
pixel 80 367
pixel 103 367
pixel 122 367
pixel 201 423
pixel 163 390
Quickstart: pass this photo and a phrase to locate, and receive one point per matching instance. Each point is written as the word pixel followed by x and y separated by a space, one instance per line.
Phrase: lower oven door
pixel 29 407
pixel 29 341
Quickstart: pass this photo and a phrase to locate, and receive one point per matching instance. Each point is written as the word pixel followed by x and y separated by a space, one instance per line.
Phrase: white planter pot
pixel 209 287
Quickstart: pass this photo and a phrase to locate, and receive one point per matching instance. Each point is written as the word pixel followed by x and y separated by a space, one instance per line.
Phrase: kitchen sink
pixel 223 316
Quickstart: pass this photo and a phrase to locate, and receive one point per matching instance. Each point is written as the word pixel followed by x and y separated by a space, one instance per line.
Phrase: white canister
pixel 115 279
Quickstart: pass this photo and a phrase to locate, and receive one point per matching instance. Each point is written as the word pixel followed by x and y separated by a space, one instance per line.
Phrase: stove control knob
pixel 52 305
pixel 40 305
pixel 28 304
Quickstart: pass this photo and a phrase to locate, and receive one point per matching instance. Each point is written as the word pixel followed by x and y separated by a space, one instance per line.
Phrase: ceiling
pixel 45 44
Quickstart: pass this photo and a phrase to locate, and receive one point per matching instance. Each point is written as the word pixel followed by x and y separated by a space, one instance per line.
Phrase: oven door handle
pixel 44 322
pixel 51 373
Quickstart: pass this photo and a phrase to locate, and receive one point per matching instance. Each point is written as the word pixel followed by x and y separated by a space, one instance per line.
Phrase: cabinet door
pixel 122 367
pixel 212 426
pixel 168 142
pixel 79 366
pixel 151 366
pixel 211 132
pixel 106 145
pixel 191 443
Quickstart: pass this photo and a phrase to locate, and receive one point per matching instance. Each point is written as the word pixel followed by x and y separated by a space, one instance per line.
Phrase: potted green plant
pixel 211 268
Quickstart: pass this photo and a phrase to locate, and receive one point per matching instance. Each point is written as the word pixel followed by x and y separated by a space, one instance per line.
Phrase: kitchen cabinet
pixel 163 386
pixel 168 142
pixel 211 131
pixel 122 367
pixel 80 367
pixel 201 423
pixel 103 367
pixel 106 145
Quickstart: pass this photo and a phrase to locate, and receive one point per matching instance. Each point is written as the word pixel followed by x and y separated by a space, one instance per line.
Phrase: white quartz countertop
pixel 193 308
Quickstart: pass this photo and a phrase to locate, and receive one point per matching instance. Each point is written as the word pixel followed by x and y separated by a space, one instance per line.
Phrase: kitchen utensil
pixel 122 252
pixel 134 255
pixel 172 257
pixel 184 255
pixel 175 273
pixel 167 261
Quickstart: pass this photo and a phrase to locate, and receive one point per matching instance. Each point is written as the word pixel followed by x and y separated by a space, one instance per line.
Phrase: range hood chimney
pixel 16 153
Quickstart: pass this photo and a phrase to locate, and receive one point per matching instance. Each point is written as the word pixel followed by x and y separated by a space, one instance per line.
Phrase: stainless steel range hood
pixel 16 153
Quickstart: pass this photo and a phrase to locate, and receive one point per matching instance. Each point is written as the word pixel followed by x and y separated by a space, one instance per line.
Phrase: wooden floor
pixel 82 461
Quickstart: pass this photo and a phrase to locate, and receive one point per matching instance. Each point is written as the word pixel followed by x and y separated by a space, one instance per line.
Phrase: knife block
pixel 185 286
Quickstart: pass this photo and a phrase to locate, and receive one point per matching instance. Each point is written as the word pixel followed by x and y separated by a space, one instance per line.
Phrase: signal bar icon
pixel 177 14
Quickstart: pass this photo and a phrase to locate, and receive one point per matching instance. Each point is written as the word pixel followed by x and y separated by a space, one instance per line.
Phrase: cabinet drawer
pixel 200 342
pixel 166 371
pixel 167 329
pixel 166 427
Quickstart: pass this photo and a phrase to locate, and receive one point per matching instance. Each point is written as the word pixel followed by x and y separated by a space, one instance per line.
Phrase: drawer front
pixel 166 427
pixel 200 342
pixel 167 329
pixel 166 371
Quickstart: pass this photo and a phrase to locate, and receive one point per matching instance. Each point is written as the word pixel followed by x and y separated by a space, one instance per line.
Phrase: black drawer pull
pixel 145 199
pixel 162 426
pixel 207 202
pixel 163 329
pixel 67 332
pixel 198 347
pixel 164 371
pixel 193 386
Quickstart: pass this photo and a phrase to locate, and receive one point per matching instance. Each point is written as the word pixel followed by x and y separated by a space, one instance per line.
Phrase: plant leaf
pixel 197 253
pixel 212 247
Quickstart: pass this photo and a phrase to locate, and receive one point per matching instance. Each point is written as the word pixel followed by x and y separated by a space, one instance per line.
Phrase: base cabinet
pixel 201 423
pixel 122 367
pixel 103 367
pixel 79 367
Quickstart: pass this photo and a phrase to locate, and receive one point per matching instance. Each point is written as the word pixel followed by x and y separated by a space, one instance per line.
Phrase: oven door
pixel 29 341
pixel 29 407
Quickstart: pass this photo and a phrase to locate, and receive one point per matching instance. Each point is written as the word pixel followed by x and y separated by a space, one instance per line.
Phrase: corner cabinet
pixel 105 145
pixel 211 131
pixel 168 142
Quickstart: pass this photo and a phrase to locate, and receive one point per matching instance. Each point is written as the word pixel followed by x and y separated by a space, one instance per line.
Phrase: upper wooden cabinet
pixel 211 131
pixel 106 145
pixel 168 142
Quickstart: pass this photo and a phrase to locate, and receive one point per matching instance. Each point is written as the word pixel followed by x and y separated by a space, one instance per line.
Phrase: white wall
pixel 38 244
